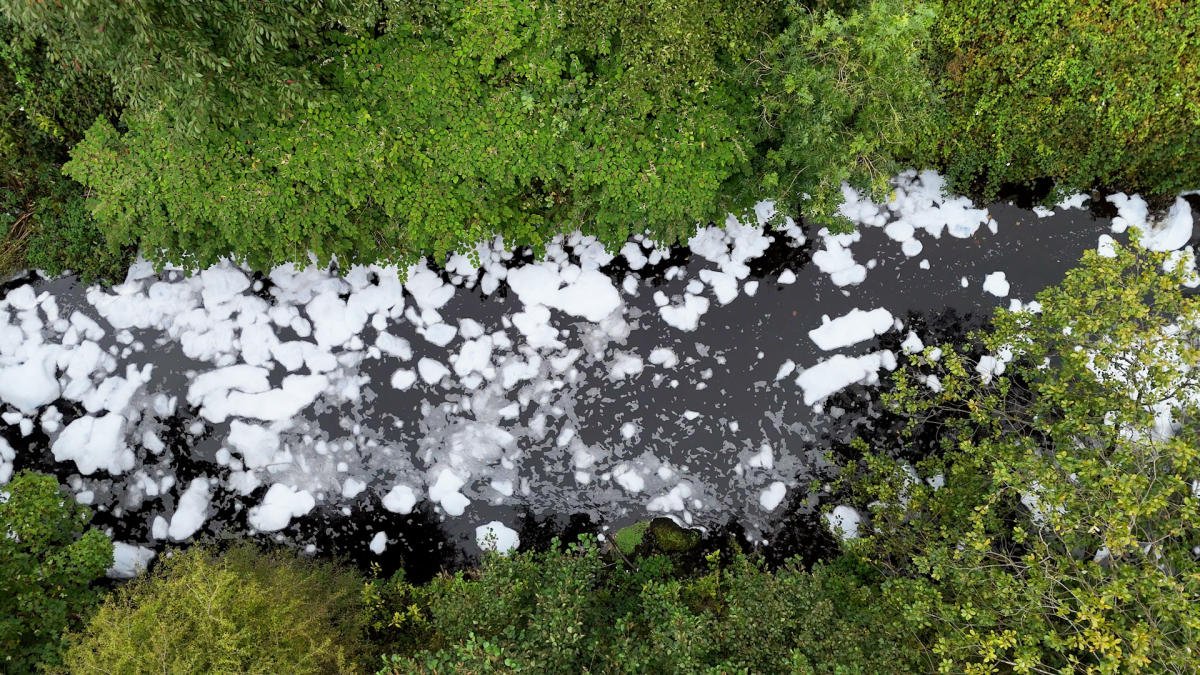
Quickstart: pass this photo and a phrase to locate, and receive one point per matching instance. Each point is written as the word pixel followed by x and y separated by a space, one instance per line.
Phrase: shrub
pixel 45 105
pixel 846 97
pixel 513 118
pixel 1064 537
pixel 192 60
pixel 47 565
pixel 574 610
pixel 1093 92
pixel 241 611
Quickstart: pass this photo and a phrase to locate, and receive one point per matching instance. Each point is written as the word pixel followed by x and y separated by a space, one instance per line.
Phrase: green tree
pixel 576 609
pixel 48 564
pixel 1064 536
pixel 1089 93
pixel 512 118
pixel 846 97
pixel 198 63
pixel 45 106
pixel 242 611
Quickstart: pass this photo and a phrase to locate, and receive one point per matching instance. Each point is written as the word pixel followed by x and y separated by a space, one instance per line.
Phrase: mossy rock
pixel 667 536
pixel 661 535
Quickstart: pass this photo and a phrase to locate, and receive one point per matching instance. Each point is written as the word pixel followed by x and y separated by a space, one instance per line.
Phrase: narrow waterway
pixel 389 421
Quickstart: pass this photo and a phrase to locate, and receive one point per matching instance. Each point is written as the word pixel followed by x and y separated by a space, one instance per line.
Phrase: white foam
pixel 996 283
pixel 838 372
pixel 278 507
pixel 400 499
pixel 844 521
pixel 772 496
pixel 191 511
pixel 129 560
pixel 95 443
pixel 851 328
pixel 498 537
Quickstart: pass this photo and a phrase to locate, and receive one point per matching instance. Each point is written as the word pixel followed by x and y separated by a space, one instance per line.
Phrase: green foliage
pixel 63 236
pixel 44 107
pixel 1088 92
pixel 1064 537
pixel 573 610
pixel 512 118
pixel 846 98
pixel 216 61
pixel 242 611
pixel 47 565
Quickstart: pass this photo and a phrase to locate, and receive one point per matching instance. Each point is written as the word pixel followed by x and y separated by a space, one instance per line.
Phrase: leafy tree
pixel 1092 92
pixel 242 611
pixel 1065 536
pixel 847 97
pixel 44 107
pixel 211 62
pixel 571 610
pixel 513 118
pixel 48 563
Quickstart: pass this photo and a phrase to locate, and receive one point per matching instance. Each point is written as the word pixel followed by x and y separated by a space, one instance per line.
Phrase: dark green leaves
pixel 47 565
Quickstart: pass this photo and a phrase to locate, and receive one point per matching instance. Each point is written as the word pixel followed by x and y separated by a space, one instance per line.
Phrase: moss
pixel 667 536
pixel 628 538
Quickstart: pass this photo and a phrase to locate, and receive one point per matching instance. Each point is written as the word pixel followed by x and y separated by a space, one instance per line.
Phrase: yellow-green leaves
pixel 1064 536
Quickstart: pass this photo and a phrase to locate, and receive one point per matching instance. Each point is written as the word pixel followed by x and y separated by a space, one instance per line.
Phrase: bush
pixel 512 118
pixel 191 60
pixel 1064 537
pixel 846 98
pixel 47 566
pixel 242 611
pixel 46 105
pixel 574 610
pixel 1089 93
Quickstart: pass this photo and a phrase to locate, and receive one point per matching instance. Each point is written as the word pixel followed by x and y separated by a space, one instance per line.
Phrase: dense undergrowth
pixel 1054 530
pixel 391 130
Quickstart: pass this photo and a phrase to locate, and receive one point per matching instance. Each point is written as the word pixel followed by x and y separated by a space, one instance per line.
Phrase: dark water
pixel 734 354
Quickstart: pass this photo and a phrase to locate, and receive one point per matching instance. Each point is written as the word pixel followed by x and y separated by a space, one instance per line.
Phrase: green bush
pixel 1089 93
pixel 46 105
pixel 242 611
pixel 574 610
pixel 505 117
pixel 206 61
pixel 846 97
pixel 1064 538
pixel 47 565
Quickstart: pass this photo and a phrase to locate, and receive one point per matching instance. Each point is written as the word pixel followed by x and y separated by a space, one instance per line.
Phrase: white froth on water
pixel 283 379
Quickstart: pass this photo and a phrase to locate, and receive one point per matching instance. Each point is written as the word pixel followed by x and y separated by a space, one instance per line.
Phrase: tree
pixel 581 609
pixel 1064 536
pixel 846 97
pixel 48 564
pixel 1088 93
pixel 45 106
pixel 500 118
pixel 198 63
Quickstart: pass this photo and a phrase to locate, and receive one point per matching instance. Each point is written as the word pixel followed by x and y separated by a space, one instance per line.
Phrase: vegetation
pixel 48 563
pixel 46 106
pixel 511 118
pixel 391 130
pixel 1064 538
pixel 572 610
pixel 241 611
pixel 1063 534
pixel 1088 93
pixel 846 99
